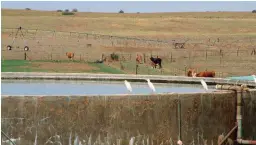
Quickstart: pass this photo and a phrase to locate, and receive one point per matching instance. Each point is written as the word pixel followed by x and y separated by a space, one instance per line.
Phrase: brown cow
pixel 139 59
pixel 70 55
pixel 192 73
pixel 210 74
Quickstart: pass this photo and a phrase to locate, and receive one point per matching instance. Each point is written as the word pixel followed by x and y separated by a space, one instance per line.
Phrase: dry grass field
pixel 205 34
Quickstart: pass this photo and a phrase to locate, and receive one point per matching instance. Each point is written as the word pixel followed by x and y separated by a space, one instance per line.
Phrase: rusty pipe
pixel 238 90
pixel 231 131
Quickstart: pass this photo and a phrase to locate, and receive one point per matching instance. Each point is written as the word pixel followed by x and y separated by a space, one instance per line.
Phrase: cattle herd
pixel 158 62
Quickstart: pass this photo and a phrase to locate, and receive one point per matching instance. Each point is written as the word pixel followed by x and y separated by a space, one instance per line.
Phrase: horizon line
pixel 120 9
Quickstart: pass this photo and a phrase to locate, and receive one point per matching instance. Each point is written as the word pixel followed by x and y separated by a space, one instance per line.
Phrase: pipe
pixel 231 131
pixel 8 138
pixel 179 117
pixel 239 90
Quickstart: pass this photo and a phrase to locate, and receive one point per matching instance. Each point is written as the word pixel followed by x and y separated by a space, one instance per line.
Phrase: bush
pixel 59 11
pixel 74 10
pixel 66 10
pixel 27 9
pixel 114 56
pixel 254 11
pixel 68 13
pixel 121 11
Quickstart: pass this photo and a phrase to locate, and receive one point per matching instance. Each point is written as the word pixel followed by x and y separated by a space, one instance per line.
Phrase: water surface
pixel 66 87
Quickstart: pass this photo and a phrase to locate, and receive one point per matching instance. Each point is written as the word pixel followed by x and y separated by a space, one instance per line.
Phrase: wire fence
pixel 233 58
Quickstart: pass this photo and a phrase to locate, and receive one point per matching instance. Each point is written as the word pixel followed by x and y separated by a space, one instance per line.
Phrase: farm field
pixel 220 41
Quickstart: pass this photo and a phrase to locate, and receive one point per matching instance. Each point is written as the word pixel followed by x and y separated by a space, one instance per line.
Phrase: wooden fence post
pixel 25 56
pixel 185 70
pixel 171 56
pixel 144 57
pixel 220 60
pixel 206 54
pixel 102 57
pixel 137 66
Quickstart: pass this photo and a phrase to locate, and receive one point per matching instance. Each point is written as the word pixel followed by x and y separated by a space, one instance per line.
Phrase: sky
pixel 133 6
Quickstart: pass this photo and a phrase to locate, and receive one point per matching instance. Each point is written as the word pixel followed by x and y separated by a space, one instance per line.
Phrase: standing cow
pixel 139 59
pixel 156 61
pixel 70 55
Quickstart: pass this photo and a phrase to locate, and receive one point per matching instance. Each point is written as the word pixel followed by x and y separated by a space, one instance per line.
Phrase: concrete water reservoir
pixel 200 118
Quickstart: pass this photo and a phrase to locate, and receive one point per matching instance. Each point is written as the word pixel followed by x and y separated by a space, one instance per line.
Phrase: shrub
pixel 254 11
pixel 66 10
pixel 59 11
pixel 114 56
pixel 121 11
pixel 74 10
pixel 27 9
pixel 68 13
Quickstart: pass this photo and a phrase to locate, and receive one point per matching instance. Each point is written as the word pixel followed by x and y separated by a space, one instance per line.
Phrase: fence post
pixel 25 56
pixel 137 66
pixel 144 57
pixel 206 54
pixel 220 60
pixel 185 70
pixel 171 56
pixel 102 56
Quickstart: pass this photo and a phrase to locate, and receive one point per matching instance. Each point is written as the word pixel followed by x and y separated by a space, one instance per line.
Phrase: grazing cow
pixel 192 73
pixel 70 55
pixel 138 59
pixel 156 61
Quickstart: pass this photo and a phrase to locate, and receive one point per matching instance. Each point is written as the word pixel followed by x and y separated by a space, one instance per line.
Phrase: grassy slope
pixel 26 66
pixel 226 25
pixel 157 25
pixel 15 66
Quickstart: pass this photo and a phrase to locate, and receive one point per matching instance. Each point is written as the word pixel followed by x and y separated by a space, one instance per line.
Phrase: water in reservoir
pixel 67 87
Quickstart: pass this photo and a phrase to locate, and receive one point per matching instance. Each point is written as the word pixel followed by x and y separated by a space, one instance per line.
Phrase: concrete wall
pixel 116 119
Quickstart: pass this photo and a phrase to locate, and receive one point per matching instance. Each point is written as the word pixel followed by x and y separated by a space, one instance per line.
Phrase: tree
pixel 27 9
pixel 121 11
pixel 254 11
pixel 75 10
pixel 66 10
